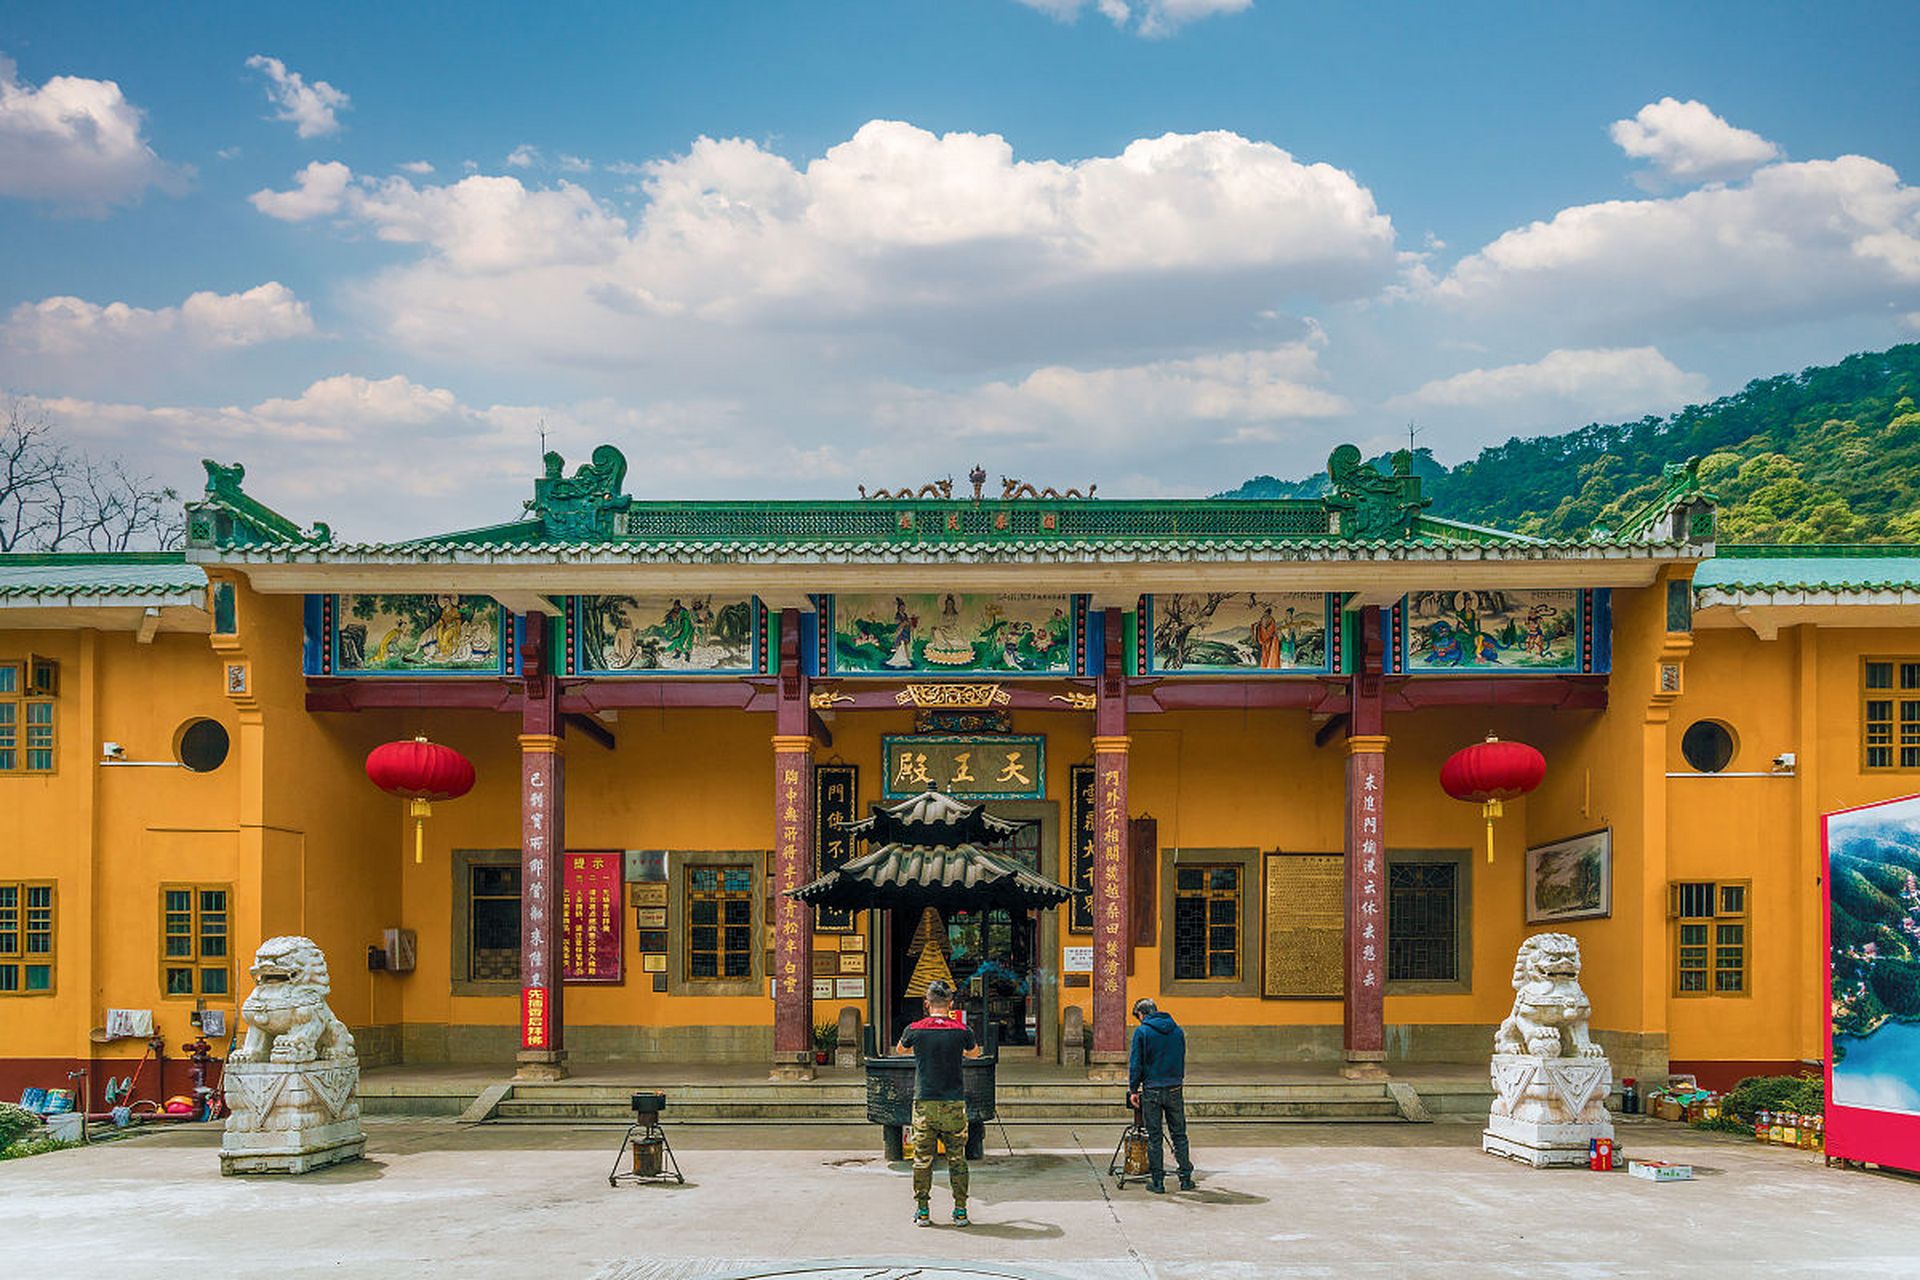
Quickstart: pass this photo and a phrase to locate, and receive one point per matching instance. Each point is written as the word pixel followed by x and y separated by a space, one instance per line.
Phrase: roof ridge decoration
pixel 227 516
pixel 1684 509
pixel 588 501
pixel 1369 505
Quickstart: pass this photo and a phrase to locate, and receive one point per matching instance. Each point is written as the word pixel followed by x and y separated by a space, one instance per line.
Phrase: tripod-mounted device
pixel 1133 1153
pixel 652 1157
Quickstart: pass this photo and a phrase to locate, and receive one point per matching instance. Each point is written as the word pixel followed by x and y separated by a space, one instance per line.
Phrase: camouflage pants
pixel 946 1120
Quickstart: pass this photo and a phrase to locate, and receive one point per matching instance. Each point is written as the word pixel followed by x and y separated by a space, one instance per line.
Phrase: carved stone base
pixel 534 1065
pixel 792 1072
pixel 1542 1145
pixel 291 1117
pixel 1546 1111
pixel 1108 1072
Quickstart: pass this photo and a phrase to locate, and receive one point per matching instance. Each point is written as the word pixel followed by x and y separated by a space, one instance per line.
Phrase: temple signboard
pixel 979 767
pixel 1305 926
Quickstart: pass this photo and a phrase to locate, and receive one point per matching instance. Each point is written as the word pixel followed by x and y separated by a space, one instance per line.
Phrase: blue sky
pixel 780 248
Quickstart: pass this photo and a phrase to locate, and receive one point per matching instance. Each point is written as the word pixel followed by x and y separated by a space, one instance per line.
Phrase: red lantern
pixel 422 772
pixel 1488 773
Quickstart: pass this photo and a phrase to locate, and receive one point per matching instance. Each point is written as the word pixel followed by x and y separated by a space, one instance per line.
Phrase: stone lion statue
pixel 288 1019
pixel 1550 1011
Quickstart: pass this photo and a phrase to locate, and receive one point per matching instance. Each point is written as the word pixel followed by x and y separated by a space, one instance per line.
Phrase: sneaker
pixel 960 1218
pixel 921 1218
pixel 1186 1182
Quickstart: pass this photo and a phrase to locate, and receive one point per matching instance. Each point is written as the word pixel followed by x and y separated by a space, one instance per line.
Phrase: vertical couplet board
pixel 1081 856
pixel 542 783
pixel 1110 919
pixel 793 919
pixel 1872 909
pixel 1366 915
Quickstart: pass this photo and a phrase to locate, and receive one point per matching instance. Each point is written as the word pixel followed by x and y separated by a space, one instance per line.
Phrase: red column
pixel 793 863
pixel 1364 1038
pixel 543 840
pixel 1112 902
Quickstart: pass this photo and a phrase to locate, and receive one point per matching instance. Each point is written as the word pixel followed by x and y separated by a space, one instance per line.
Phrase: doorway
pixel 990 956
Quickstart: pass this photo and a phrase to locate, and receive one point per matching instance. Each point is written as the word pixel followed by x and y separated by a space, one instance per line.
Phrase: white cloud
pixel 1687 142
pixel 945 243
pixel 308 107
pixel 419 168
pixel 1231 397
pixel 1150 18
pixel 75 142
pixel 1596 382
pixel 319 189
pixel 1799 241
pixel 524 156
pixel 573 164
pixel 67 326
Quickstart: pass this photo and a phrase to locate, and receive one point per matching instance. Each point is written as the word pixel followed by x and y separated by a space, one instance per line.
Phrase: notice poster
pixel 1873 977
pixel 1306 925
pixel 590 887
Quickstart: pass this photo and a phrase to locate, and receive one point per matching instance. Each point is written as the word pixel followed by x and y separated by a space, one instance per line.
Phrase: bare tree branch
pixel 53 499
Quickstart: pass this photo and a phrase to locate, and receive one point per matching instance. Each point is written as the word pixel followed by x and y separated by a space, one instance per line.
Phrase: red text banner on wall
pixel 590 950
pixel 1873 1005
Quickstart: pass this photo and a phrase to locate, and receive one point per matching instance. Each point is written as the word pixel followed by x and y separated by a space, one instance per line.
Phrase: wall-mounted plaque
pixel 827 964
pixel 988 767
pixel 648 895
pixel 853 962
pixel 1305 926
pixel 836 799
pixel 1080 815
pixel 650 917
pixel 850 988
pixel 1076 960
pixel 853 942
pixel 653 962
pixel 823 988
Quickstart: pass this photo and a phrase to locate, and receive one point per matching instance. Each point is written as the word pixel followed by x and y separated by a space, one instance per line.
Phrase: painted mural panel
pixel 950 633
pixel 375 635
pixel 664 635
pixel 1240 633
pixel 1491 631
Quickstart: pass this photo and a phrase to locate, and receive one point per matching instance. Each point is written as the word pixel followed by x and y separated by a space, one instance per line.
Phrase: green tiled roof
pixel 147 577
pixel 1754 568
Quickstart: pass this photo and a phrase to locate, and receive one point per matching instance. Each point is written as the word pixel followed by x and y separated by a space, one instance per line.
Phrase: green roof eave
pixel 76 579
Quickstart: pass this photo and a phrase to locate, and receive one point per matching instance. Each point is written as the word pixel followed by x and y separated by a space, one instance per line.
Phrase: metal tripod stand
pixel 652 1155
pixel 1131 1153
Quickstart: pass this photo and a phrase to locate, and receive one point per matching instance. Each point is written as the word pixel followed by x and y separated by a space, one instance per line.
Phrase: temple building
pixel 1220 724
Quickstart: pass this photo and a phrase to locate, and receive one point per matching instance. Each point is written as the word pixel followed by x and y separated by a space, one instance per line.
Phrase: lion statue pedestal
pixel 1550 1079
pixel 293 1087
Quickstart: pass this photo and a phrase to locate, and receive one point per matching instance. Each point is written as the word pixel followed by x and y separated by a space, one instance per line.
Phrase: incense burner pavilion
pixel 1219 726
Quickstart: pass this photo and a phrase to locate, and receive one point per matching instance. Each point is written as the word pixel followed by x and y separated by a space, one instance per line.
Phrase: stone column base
pixel 792 1071
pixel 540 1064
pixel 1107 1066
pixel 1542 1145
pixel 1365 1064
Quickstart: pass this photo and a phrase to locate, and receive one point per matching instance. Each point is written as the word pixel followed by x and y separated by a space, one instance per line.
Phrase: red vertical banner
pixel 590 898
pixel 1366 967
pixel 542 838
pixel 792 919
pixel 1111 925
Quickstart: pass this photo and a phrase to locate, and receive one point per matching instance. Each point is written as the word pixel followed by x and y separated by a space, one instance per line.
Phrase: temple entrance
pixel 987 954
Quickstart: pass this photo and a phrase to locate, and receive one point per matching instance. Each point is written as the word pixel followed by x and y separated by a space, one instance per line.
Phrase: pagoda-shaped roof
pixel 932 818
pixel 929 860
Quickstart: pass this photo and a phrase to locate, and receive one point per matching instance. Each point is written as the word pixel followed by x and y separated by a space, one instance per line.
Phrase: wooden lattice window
pixel 493 923
pixel 719 923
pixel 195 926
pixel 26 937
pixel 28 730
pixel 1423 922
pixel 1890 715
pixel 1711 922
pixel 1206 923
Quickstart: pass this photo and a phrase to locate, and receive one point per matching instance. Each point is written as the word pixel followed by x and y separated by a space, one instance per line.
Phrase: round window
pixel 1707 745
pixel 203 745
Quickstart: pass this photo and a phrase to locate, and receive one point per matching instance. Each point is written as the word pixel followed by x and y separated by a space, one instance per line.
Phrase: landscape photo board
pixel 1872 955
pixel 1571 879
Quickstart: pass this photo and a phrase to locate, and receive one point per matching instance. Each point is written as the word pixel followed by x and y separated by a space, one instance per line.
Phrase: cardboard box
pixel 1660 1170
pixel 1668 1109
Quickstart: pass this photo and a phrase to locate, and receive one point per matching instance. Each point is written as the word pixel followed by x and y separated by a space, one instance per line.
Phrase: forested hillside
pixel 1831 454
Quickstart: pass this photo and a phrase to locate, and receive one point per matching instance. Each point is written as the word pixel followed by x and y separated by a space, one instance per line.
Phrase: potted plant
pixel 826 1038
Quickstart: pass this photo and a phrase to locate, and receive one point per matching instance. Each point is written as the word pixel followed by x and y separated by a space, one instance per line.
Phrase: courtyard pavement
pixel 435 1198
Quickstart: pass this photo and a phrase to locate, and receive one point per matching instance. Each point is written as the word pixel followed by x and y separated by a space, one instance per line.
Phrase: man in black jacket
pixel 1156 1080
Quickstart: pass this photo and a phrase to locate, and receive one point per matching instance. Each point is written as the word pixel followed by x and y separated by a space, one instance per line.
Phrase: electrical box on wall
pixel 400 946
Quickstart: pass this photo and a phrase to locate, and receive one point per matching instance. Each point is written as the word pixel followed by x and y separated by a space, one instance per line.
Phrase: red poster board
pixel 590 917
pixel 1871 869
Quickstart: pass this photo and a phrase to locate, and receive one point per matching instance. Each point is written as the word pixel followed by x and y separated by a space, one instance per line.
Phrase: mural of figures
pixel 376 634
pixel 697 634
pixel 951 633
pixel 1238 633
pixel 1493 630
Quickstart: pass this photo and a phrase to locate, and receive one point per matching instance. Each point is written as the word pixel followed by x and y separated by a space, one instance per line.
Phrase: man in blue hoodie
pixel 1156 1079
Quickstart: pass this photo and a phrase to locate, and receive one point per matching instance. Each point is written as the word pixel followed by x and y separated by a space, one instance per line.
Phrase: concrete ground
pixel 436 1198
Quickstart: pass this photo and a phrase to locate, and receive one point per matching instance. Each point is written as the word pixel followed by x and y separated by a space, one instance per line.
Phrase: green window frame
pixel 29 729
pixel 196 929
pixel 1890 715
pixel 1713 933
pixel 26 938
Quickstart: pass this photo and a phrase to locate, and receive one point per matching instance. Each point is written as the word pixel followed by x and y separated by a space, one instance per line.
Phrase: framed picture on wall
pixel 1571 879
